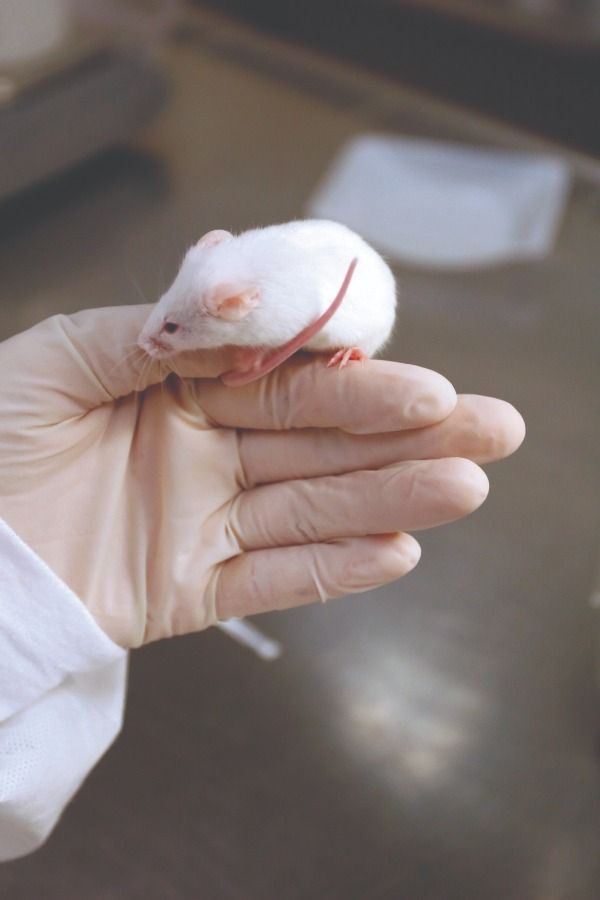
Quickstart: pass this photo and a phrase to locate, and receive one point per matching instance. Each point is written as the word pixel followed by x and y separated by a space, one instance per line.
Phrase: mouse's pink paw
pixel 249 359
pixel 343 357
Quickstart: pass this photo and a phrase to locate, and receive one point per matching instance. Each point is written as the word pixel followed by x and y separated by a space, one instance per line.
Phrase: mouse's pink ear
pixel 212 238
pixel 230 302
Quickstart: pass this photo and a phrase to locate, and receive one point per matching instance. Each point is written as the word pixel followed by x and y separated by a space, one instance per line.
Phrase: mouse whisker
pixel 165 370
pixel 162 280
pixel 145 368
pixel 127 358
pixel 138 288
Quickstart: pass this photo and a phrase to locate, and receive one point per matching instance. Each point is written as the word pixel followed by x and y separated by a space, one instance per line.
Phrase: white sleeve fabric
pixel 62 695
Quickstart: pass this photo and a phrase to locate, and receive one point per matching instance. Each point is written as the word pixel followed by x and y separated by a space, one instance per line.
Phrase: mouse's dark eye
pixel 170 327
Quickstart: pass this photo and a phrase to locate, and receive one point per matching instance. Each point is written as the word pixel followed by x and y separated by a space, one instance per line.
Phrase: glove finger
pixel 366 397
pixel 479 428
pixel 71 364
pixel 266 580
pixel 403 497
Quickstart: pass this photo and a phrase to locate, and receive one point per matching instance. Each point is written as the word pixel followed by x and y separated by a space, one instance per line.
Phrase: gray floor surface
pixel 433 740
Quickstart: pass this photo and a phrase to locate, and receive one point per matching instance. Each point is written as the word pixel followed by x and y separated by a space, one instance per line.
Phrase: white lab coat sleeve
pixel 62 694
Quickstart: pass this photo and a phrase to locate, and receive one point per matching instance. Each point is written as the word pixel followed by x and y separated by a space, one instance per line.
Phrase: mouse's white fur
pixel 297 269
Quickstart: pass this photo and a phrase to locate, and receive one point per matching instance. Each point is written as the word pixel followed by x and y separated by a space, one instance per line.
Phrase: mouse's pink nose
pixel 153 345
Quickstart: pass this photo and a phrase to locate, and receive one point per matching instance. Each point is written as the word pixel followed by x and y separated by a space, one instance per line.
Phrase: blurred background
pixel 437 738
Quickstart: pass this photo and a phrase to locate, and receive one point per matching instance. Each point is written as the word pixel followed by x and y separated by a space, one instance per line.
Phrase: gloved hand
pixel 167 503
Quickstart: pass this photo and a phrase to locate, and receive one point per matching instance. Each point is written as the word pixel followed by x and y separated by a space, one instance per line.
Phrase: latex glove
pixel 166 506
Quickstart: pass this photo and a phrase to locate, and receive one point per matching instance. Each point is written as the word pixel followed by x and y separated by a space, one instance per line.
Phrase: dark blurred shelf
pixel 572 24
pixel 518 75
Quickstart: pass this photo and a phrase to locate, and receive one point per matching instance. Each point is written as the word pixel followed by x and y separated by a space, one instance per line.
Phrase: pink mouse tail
pixel 263 362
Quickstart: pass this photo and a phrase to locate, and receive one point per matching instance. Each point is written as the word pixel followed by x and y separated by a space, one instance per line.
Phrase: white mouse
pixel 308 284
